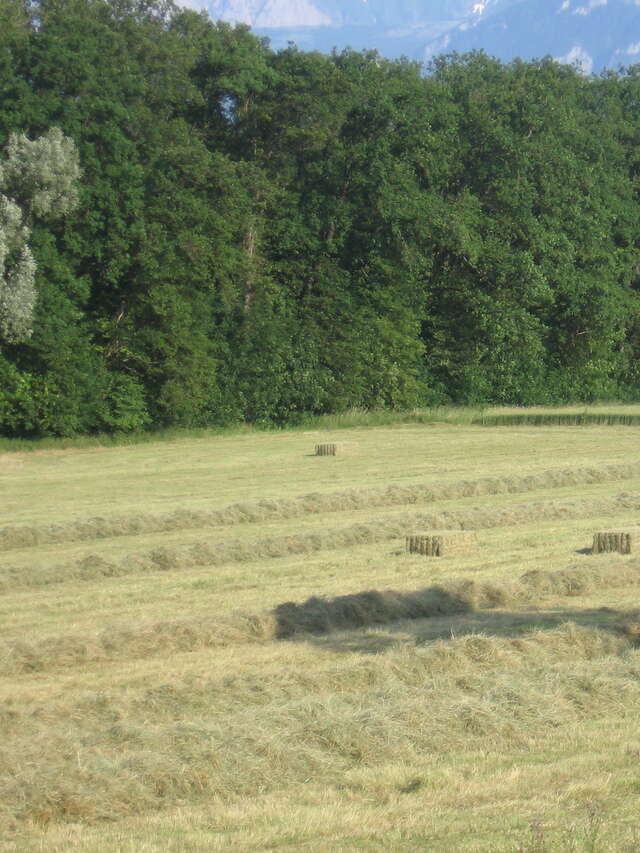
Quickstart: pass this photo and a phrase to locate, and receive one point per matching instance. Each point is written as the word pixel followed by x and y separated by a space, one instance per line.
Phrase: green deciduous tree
pixel 259 234
pixel 38 180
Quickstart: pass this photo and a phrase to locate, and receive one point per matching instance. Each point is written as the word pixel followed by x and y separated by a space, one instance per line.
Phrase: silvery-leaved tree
pixel 38 180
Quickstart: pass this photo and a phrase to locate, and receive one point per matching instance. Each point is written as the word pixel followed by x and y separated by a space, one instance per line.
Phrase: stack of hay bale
pixel 326 449
pixel 441 543
pixel 620 541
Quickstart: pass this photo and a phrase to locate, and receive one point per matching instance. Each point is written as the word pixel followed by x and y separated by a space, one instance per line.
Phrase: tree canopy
pixel 196 229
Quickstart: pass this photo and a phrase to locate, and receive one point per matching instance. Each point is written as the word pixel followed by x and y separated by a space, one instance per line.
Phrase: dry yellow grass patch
pixel 196 474
pixel 301 682
pixel 13 537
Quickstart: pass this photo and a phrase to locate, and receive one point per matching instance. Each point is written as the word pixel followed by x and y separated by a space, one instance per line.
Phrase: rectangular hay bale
pixel 610 541
pixel 442 543
pixel 326 449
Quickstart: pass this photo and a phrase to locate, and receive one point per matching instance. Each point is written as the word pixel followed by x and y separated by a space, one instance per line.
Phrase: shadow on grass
pixel 363 609
pixel 371 622
pixel 496 624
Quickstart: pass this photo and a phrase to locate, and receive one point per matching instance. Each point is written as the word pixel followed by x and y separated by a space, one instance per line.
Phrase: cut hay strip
pixel 326 449
pixel 609 541
pixel 317 615
pixel 105 754
pixel 444 543
pixel 559 419
pixel 383 529
pixel 92 529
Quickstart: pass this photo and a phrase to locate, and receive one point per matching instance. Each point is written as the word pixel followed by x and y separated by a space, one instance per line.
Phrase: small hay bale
pixel 609 541
pixel 326 449
pixel 444 543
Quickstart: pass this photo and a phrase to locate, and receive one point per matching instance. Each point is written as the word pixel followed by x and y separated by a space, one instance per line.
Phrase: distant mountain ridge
pixel 597 34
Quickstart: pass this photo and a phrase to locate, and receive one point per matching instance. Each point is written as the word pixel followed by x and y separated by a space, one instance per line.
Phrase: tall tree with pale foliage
pixel 38 180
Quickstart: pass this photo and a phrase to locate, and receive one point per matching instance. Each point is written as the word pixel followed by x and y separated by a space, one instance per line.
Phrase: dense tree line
pixel 263 234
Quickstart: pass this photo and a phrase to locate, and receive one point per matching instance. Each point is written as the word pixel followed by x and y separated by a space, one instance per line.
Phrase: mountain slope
pixel 594 33
pixel 379 14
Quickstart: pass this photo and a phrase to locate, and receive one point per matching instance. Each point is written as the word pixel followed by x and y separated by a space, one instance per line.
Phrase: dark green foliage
pixel 265 236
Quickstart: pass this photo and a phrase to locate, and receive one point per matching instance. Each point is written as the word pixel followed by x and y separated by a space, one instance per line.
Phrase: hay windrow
pixel 93 567
pixel 99 527
pixel 557 419
pixel 105 754
pixel 137 642
pixel 409 665
pixel 347 612
pixel 318 615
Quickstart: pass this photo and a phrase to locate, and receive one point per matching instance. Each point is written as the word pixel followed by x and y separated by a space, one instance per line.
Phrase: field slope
pixel 221 644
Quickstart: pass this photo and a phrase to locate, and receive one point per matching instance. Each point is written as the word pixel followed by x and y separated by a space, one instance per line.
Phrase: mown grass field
pixel 219 643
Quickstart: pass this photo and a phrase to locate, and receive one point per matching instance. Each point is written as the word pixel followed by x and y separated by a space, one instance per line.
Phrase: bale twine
pixel 443 543
pixel 326 449
pixel 608 541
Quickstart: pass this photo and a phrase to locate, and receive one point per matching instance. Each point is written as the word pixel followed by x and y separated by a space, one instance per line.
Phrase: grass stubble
pixel 486 703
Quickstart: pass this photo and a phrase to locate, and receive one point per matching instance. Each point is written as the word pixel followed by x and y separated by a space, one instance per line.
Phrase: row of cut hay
pixel 557 419
pixel 410 665
pixel 318 615
pixel 321 615
pixel 136 642
pixel 101 764
pixel 93 567
pixel 81 530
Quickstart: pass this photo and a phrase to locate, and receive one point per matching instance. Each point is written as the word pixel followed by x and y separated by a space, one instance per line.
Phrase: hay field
pixel 221 643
